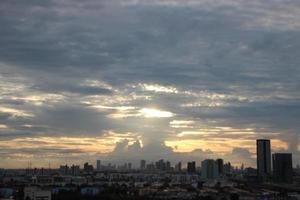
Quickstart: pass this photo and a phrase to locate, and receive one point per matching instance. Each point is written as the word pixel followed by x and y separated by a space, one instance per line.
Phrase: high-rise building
pixel 227 168
pixel 75 170
pixel 87 167
pixel 161 165
pixel 191 167
pixel 64 169
pixel 98 164
pixel 129 166
pixel 263 152
pixel 178 167
pixel 220 164
pixel 150 167
pixel 209 169
pixel 282 167
pixel 143 164
pixel 168 165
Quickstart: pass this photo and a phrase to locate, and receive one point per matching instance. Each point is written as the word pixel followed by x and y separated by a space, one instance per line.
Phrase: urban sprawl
pixel 274 178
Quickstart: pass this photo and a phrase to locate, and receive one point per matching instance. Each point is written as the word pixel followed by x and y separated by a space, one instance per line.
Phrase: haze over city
pixel 125 80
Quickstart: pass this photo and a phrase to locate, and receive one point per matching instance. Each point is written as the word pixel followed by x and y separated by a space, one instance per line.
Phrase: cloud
pixel 159 69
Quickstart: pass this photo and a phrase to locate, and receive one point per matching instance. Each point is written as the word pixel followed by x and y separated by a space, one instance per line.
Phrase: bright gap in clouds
pixel 153 113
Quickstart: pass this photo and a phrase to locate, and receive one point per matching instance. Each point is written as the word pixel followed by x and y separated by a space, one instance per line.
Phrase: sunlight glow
pixel 16 112
pixel 3 126
pixel 158 88
pixel 152 113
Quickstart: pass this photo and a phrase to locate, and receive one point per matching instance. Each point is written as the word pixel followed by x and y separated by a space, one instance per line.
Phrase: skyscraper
pixel 263 152
pixel 129 165
pixel 168 166
pixel 191 167
pixel 209 169
pixel 98 164
pixel 161 165
pixel 143 164
pixel 178 167
pixel 282 167
pixel 87 167
pixel 220 164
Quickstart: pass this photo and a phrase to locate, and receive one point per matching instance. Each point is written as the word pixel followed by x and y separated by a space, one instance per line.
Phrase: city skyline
pixel 266 168
pixel 124 80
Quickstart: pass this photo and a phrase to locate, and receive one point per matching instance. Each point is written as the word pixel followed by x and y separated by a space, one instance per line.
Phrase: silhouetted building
pixel 282 167
pixel 161 165
pixel 168 166
pixel 75 170
pixel 98 164
pixel 227 168
pixel 209 169
pixel 129 166
pixel 220 164
pixel 143 164
pixel 191 167
pixel 64 169
pixel 88 168
pixel 150 167
pixel 178 167
pixel 263 151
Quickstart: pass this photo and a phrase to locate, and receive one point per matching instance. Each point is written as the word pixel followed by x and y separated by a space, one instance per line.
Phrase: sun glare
pixel 153 113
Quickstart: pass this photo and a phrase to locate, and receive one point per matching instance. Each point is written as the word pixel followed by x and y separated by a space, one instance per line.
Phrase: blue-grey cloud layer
pixel 246 52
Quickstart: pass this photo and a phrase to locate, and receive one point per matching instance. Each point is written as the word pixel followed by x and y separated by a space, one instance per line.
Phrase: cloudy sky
pixel 121 80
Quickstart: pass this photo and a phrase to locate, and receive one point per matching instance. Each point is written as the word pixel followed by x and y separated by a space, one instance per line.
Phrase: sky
pixel 124 80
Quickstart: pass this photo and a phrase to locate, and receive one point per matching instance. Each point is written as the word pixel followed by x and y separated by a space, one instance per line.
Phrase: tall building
pixel 168 165
pixel 282 167
pixel 75 170
pixel 220 164
pixel 191 167
pixel 98 164
pixel 209 169
pixel 263 153
pixel 64 169
pixel 143 164
pixel 87 167
pixel 227 168
pixel 129 166
pixel 178 167
pixel 161 165
pixel 150 167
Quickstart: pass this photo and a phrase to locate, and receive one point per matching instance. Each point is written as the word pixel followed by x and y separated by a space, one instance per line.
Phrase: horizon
pixel 125 80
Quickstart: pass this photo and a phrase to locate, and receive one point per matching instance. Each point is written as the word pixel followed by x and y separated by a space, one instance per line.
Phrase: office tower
pixel 64 169
pixel 263 152
pixel 227 168
pixel 150 167
pixel 220 164
pixel 178 167
pixel 191 167
pixel 209 169
pixel 143 164
pixel 87 167
pixel 282 167
pixel 129 166
pixel 168 166
pixel 161 165
pixel 98 164
pixel 75 170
